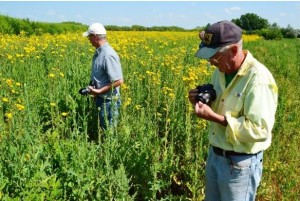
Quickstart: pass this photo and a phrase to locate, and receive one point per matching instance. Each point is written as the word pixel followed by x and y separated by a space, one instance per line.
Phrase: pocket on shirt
pixel 234 103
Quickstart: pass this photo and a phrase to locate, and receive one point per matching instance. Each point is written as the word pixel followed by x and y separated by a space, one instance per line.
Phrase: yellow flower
pixel 61 74
pixel 5 100
pixel 51 75
pixel 158 114
pixel 9 82
pixel 64 114
pixel 172 95
pixel 9 56
pixel 125 87
pixel 138 107
pixel 19 55
pixel 127 102
pixel 20 107
pixel 8 115
pixel 52 104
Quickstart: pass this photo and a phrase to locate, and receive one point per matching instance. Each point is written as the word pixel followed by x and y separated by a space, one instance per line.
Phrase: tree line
pixel 253 24
pixel 250 23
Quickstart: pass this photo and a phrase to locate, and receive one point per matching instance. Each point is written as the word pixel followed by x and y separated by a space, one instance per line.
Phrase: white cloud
pixel 51 13
pixel 56 16
pixel 210 16
pixel 61 17
pixel 112 20
pixel 124 19
pixel 282 14
pixel 232 9
pixel 78 17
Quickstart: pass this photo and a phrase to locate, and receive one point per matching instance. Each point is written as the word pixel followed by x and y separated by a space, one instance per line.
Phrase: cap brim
pixel 85 34
pixel 207 52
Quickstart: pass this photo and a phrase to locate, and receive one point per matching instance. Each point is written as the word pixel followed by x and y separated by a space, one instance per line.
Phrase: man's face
pixel 93 38
pixel 219 60
pixel 223 61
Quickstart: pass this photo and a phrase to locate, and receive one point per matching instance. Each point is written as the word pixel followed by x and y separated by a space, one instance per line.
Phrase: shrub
pixel 271 34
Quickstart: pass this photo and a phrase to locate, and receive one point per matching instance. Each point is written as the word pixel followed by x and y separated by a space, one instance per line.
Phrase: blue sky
pixel 185 14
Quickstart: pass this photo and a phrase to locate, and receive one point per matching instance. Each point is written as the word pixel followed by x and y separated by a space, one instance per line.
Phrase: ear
pixel 234 49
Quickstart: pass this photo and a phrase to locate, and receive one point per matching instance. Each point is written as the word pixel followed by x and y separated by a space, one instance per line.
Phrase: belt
pixel 226 154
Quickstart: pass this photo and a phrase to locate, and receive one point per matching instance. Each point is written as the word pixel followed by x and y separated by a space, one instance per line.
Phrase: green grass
pixel 159 148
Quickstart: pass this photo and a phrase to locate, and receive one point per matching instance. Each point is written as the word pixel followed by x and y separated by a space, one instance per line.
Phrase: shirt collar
pixel 99 49
pixel 246 64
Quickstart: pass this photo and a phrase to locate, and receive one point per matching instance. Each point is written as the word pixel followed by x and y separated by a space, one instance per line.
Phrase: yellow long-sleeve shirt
pixel 249 104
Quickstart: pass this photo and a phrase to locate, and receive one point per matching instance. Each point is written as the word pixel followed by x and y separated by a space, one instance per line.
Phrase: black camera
pixel 85 91
pixel 207 94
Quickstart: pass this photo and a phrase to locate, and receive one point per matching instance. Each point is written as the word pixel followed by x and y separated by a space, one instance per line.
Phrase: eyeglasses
pixel 216 60
pixel 90 35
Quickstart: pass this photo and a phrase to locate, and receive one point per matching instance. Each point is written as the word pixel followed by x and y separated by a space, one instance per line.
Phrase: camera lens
pixel 207 94
pixel 84 91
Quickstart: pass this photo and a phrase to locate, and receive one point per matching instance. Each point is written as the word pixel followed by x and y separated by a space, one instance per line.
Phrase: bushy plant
pixel 289 32
pixel 51 148
pixel 271 34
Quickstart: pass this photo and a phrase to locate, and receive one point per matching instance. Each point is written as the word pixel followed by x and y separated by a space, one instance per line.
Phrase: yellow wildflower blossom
pixel 5 100
pixel 8 115
pixel 127 102
pixel 51 75
pixel 64 114
pixel 20 107
pixel 138 107
pixel 52 104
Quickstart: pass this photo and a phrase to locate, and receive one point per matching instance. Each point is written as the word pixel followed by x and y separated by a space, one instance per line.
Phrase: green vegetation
pixel 281 168
pixel 250 23
pixel 49 143
pixel 253 24
pixel 11 25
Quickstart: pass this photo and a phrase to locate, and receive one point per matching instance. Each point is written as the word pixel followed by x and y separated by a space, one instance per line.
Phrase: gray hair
pixel 239 44
pixel 101 36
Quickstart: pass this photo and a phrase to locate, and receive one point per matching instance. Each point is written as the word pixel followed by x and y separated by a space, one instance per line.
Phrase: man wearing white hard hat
pixel 106 74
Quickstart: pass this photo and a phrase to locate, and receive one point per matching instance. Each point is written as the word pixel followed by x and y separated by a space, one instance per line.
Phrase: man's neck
pixel 101 43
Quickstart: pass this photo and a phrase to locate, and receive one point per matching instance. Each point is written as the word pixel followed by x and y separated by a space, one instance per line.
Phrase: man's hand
pixel 93 91
pixel 193 93
pixel 204 111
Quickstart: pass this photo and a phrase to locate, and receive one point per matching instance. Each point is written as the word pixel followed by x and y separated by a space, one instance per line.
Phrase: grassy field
pixel 50 145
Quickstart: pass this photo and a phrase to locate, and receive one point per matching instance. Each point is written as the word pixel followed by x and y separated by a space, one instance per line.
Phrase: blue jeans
pixel 233 178
pixel 108 111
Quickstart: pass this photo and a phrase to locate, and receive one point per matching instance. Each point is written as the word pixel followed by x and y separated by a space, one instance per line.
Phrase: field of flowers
pixel 51 148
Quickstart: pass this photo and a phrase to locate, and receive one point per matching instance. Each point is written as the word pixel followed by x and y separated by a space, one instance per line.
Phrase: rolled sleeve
pixel 113 68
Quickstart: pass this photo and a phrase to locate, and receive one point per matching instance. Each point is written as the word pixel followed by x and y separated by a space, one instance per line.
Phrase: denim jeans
pixel 108 111
pixel 233 178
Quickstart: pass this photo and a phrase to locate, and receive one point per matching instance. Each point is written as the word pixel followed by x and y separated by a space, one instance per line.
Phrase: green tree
pixel 251 22
pixel 289 32
pixel 138 28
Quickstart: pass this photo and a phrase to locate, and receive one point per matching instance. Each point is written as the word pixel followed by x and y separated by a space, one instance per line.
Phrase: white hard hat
pixel 95 28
